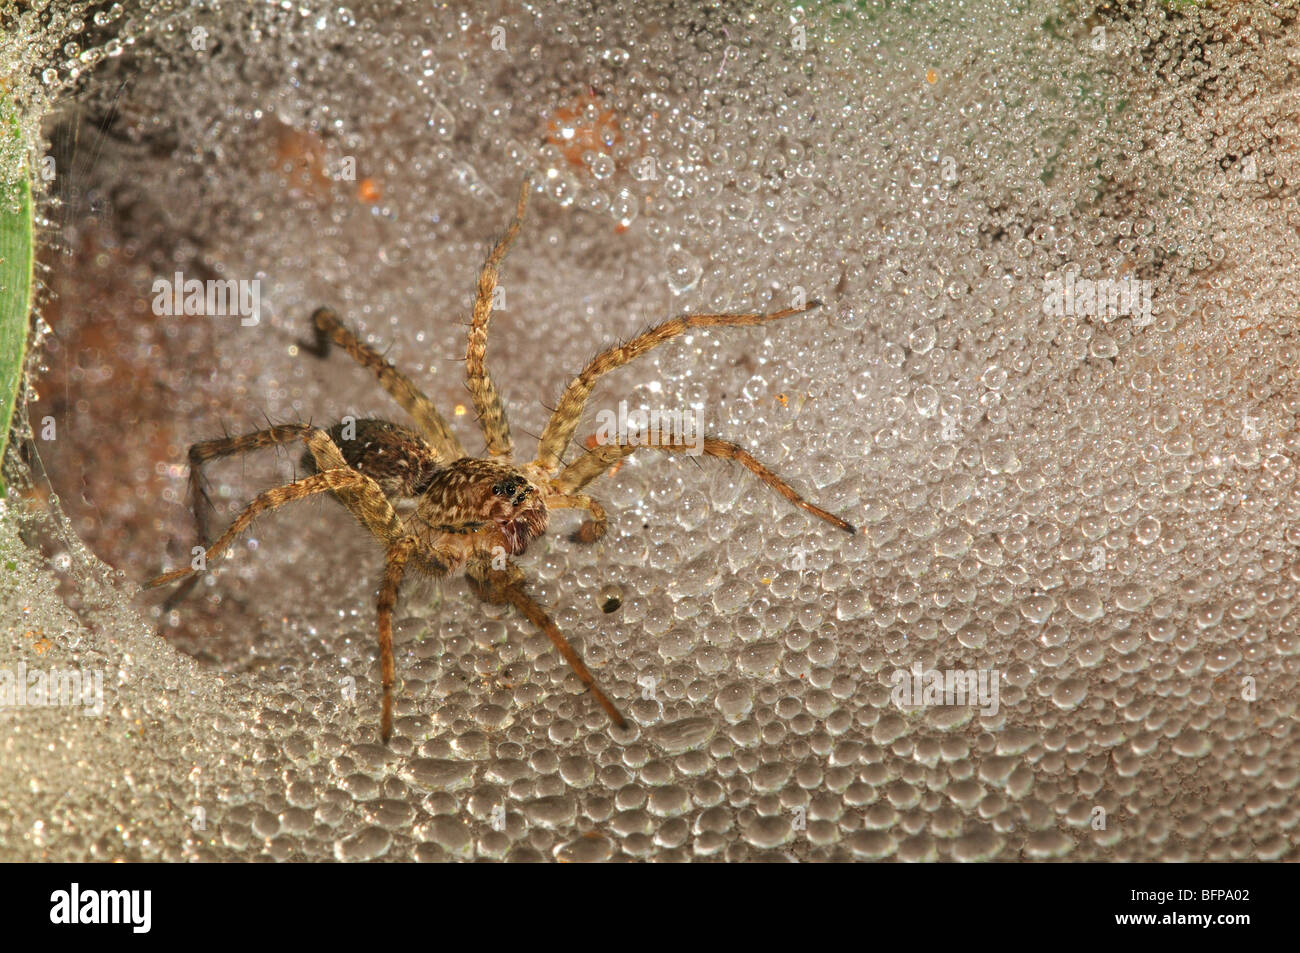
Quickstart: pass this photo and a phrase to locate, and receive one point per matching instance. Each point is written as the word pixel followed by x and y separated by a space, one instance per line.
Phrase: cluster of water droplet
pixel 1089 497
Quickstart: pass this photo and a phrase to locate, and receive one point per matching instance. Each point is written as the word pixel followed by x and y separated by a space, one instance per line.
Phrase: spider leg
pixel 331 330
pixel 364 498
pixel 268 500
pixel 590 529
pixel 322 448
pixel 568 412
pixel 200 502
pixel 394 568
pixel 360 494
pixel 506 587
pixel 595 462
pixel 491 414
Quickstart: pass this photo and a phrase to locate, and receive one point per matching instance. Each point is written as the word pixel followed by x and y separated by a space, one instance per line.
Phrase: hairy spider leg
pixel 325 452
pixel 568 412
pixel 394 567
pixel 330 480
pixel 590 530
pixel 595 462
pixel 487 402
pixel 331 330
pixel 364 499
pixel 500 587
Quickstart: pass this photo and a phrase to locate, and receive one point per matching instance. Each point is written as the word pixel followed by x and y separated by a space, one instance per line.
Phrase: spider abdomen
pixel 395 457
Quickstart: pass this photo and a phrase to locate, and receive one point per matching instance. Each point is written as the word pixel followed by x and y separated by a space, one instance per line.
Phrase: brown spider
pixel 469 513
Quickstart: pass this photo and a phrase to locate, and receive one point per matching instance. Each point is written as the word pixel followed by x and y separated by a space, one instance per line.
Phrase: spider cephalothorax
pixel 437 510
pixel 493 502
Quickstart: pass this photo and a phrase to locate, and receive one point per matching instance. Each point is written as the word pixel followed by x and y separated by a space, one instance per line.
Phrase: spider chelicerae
pixel 463 512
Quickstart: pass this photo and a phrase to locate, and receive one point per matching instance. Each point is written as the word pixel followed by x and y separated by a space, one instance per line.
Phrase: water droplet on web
pixel 1132 598
pixel 624 207
pixel 395 253
pixel 926 399
pixel 1147 530
pixel 1038 608
pixel 442 122
pixel 610 598
pixel 1084 603
pixel 684 270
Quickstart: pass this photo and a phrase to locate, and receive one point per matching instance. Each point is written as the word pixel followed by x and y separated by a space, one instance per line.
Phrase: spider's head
pixel 485 491
pixel 517 507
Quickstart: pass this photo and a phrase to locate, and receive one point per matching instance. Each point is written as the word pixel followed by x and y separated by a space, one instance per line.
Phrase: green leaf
pixel 15 266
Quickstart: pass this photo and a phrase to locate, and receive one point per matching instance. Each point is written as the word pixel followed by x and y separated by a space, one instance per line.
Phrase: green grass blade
pixel 15 269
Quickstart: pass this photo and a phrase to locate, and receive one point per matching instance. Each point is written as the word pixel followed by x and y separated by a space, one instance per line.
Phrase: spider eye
pixel 503 488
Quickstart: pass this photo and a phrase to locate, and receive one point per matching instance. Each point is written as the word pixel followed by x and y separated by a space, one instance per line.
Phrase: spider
pixel 462 512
